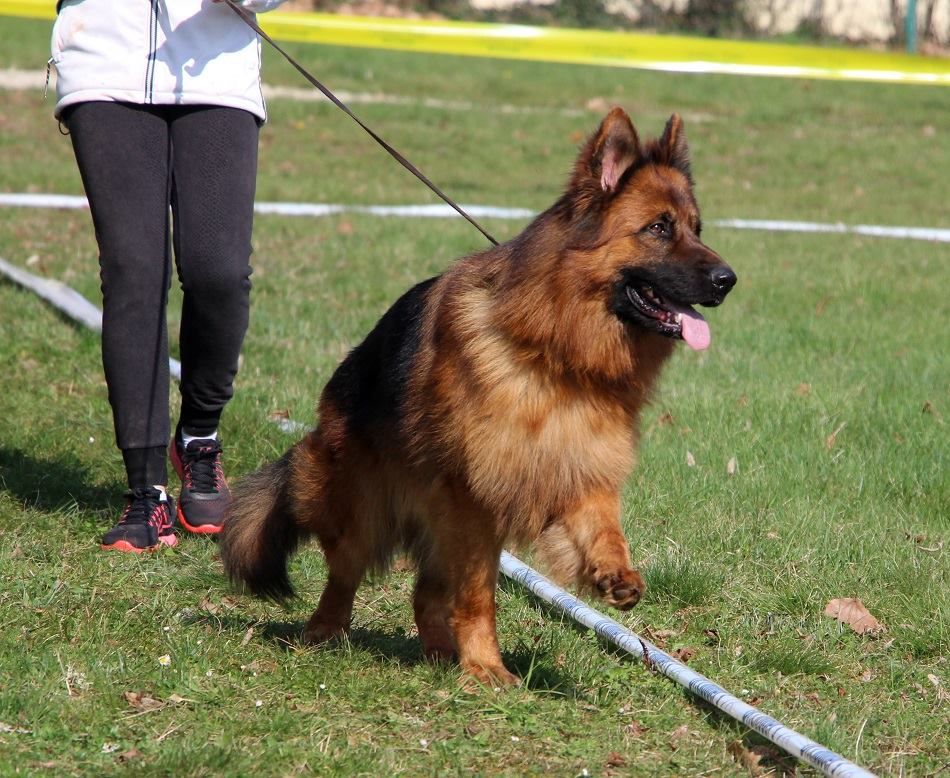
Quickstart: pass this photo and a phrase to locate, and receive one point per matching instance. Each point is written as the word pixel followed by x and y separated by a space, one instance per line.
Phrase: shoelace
pixel 142 505
pixel 202 466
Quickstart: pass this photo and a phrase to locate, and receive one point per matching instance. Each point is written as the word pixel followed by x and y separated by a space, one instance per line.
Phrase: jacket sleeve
pixel 260 6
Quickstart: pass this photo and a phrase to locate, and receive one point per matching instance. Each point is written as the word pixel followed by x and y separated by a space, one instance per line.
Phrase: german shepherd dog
pixel 497 403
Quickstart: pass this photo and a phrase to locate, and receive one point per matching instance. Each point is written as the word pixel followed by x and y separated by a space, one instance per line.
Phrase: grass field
pixel 826 385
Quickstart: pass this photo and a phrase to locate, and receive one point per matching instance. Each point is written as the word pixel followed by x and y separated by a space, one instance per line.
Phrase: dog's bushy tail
pixel 261 532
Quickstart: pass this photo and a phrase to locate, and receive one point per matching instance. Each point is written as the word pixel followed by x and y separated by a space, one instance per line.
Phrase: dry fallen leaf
pixel 851 611
pixel 748 759
pixel 634 729
pixel 261 666
pixel 678 734
pixel 683 654
pixel 616 759
pixel 227 603
pixel 833 437
pixel 142 702
pixel 128 756
pixel 732 466
pixel 658 636
pixel 776 761
pixel 690 459
pixel 919 541
pixel 210 607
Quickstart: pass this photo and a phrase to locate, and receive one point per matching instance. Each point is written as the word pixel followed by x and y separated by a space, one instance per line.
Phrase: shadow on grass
pixel 286 635
pixel 394 647
pixel 51 484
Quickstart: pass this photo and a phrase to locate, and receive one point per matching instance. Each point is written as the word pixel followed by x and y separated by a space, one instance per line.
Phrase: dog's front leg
pixel 466 549
pixel 587 544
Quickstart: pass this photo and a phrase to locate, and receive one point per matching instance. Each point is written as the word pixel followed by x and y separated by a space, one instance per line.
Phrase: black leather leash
pixel 251 22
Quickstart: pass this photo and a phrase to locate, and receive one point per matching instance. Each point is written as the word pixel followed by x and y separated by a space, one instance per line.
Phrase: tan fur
pixel 517 424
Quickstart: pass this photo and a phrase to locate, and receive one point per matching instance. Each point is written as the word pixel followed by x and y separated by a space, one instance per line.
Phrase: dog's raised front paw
pixel 620 588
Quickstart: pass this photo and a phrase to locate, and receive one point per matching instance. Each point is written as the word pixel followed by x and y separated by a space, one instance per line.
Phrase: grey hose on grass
pixel 797 745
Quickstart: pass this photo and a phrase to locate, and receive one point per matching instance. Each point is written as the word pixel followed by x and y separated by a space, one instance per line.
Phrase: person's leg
pixel 214 163
pixel 122 152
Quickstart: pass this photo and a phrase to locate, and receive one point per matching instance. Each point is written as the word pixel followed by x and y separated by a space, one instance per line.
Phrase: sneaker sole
pixel 126 547
pixel 200 529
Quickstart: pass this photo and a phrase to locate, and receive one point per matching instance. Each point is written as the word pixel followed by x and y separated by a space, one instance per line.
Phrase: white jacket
pixel 158 52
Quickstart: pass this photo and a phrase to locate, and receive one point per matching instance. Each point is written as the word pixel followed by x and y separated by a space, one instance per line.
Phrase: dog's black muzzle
pixel 721 279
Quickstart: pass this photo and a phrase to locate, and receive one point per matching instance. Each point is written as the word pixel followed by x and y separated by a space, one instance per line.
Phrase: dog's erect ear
pixel 617 148
pixel 609 152
pixel 673 145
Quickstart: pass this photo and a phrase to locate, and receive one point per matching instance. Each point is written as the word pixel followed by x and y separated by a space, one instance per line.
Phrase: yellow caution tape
pixel 675 53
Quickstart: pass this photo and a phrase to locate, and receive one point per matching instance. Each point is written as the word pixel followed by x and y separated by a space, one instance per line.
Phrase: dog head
pixel 633 212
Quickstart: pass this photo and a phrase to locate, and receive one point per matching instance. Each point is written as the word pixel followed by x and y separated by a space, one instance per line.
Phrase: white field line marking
pixel 438 211
pixel 790 71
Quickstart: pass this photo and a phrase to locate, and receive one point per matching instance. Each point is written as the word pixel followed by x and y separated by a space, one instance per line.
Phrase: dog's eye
pixel 660 229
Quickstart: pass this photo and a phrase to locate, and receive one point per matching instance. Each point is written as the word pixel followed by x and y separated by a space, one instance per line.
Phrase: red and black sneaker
pixel 205 498
pixel 146 524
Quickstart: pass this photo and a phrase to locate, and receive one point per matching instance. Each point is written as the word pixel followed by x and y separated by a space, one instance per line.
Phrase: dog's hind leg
pixel 431 610
pixel 350 549
pixel 335 610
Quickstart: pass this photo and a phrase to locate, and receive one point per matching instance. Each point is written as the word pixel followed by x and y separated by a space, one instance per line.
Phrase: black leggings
pixel 137 161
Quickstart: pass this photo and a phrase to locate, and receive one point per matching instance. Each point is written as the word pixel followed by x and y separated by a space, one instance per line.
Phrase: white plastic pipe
pixel 68 301
pixel 797 745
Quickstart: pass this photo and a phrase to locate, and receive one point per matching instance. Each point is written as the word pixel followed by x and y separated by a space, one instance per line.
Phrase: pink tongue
pixel 695 329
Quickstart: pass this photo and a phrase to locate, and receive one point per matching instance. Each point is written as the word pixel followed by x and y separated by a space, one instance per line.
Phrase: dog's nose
pixel 723 279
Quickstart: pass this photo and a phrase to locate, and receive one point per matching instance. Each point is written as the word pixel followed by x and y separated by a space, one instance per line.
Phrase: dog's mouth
pixel 675 320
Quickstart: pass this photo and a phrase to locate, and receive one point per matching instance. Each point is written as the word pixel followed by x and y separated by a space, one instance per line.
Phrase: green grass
pixel 824 333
